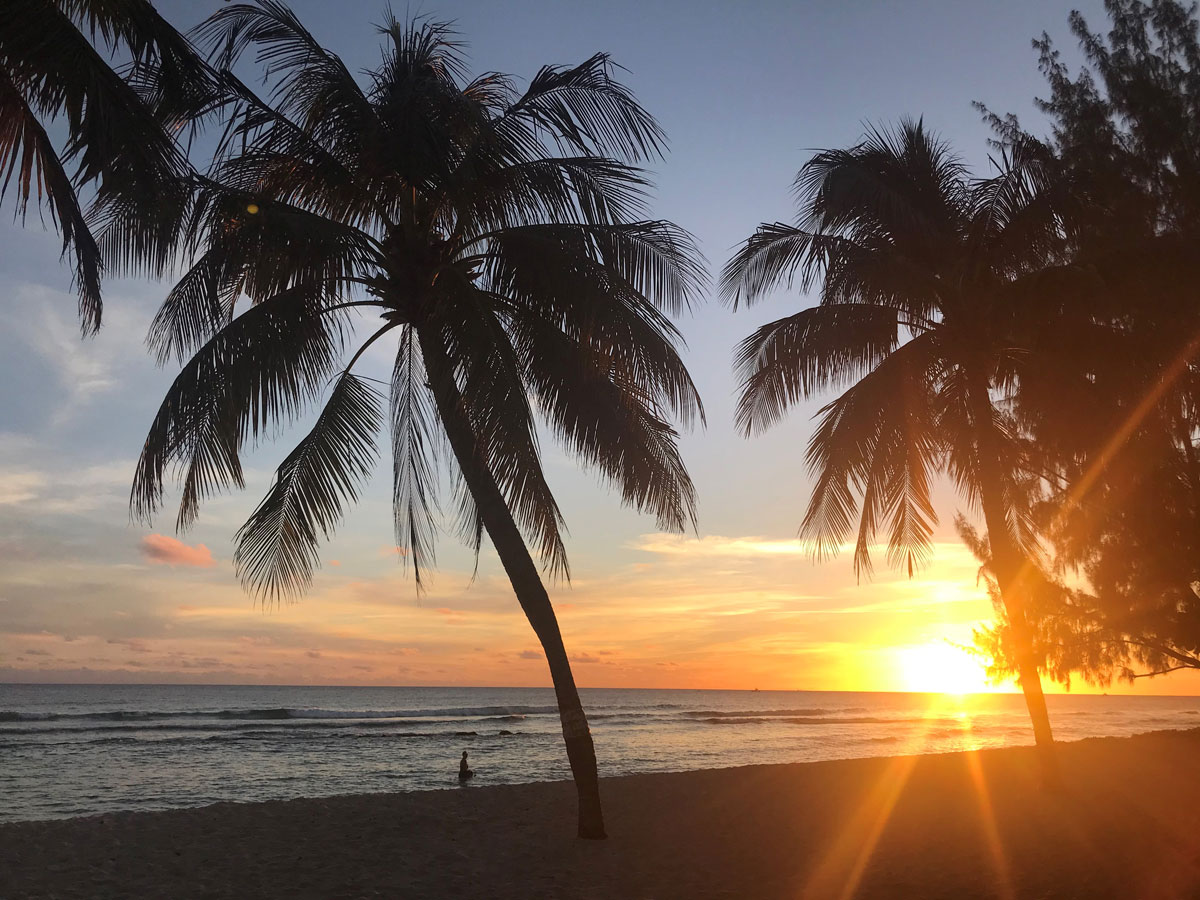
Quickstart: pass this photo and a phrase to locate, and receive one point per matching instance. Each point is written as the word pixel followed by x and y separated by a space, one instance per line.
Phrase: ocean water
pixel 72 750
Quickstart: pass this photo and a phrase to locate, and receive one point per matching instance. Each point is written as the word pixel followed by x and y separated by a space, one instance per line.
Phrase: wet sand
pixel 1127 825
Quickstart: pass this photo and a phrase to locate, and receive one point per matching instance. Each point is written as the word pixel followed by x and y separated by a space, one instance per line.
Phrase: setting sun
pixel 940 667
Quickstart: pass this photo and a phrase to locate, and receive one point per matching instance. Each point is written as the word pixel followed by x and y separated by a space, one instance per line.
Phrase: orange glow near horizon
pixel 740 613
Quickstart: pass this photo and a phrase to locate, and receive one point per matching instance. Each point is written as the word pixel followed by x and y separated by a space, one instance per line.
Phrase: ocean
pixel 76 750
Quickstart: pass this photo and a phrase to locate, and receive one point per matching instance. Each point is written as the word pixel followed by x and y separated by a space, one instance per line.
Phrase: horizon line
pixel 550 688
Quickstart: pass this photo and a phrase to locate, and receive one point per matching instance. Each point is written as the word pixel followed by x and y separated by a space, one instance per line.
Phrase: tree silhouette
pixel 1114 421
pixel 933 290
pixel 500 239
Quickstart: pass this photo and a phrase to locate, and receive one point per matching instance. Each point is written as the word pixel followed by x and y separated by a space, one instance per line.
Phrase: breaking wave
pixel 509 713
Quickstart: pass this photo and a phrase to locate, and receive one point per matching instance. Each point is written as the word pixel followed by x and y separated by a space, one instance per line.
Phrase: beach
pixel 978 824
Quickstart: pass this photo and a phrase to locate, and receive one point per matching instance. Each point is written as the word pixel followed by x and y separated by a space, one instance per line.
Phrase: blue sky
pixel 745 93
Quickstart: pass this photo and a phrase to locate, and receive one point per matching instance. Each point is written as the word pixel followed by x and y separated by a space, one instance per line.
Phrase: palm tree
pixel 933 288
pixel 56 63
pixel 500 239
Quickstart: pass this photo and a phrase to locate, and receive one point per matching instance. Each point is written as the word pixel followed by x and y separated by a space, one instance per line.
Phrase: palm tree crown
pixel 928 287
pixel 507 227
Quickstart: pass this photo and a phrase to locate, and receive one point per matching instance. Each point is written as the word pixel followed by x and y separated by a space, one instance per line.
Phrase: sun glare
pixel 941 668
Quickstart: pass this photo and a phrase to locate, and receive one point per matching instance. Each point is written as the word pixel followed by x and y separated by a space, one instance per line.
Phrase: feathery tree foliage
pixel 935 290
pixel 57 61
pixel 496 241
pixel 1114 425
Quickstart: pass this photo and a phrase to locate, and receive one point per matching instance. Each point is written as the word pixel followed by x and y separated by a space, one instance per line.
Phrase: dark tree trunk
pixel 526 581
pixel 1008 563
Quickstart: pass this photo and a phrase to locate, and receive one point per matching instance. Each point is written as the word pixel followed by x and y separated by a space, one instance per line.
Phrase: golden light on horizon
pixel 939 667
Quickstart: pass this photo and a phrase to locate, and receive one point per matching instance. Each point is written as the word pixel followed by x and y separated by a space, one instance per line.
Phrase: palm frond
pixel 422 46
pixel 415 452
pixel 273 244
pixel 312 86
pixel 878 441
pixel 199 305
pixel 496 402
pixel 469 520
pixel 494 195
pixel 608 287
pixel 607 419
pixel 903 183
pixel 768 258
pixel 1017 215
pixel 115 139
pixel 27 153
pixel 864 268
pixel 992 445
pixel 265 153
pixel 178 84
pixel 655 259
pixel 264 366
pixel 794 358
pixel 277 547
pixel 588 111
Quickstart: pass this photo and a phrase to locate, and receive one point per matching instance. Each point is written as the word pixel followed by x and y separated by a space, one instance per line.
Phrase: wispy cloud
pixel 61 490
pixel 756 547
pixel 718 545
pixel 20 486
pixel 42 318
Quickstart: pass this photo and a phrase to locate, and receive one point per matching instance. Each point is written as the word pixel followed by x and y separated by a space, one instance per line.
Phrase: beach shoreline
pixel 976 824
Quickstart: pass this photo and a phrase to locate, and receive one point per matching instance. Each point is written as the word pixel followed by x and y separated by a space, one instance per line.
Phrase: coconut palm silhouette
pixel 498 240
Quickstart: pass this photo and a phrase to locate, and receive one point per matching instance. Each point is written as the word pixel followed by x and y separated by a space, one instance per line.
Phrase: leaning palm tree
pixel 932 289
pixel 122 82
pixel 497 239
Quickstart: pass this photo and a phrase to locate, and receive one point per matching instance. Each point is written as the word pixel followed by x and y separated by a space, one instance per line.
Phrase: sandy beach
pixel 953 825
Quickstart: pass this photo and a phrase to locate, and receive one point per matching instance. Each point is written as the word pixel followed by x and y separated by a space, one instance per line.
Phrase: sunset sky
pixel 86 595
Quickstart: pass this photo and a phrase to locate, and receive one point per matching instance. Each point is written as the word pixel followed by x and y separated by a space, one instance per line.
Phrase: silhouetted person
pixel 463 771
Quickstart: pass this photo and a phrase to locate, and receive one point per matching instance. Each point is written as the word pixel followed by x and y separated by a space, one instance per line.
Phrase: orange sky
pixel 686 612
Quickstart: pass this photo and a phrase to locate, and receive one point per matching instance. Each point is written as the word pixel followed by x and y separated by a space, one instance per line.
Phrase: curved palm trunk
pixel 1007 563
pixel 526 582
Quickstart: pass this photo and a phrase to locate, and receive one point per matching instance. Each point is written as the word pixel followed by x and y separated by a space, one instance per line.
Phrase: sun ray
pixel 1137 415
pixel 987 820
pixel 844 863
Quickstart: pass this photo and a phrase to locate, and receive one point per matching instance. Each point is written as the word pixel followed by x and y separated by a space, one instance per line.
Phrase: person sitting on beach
pixel 463 771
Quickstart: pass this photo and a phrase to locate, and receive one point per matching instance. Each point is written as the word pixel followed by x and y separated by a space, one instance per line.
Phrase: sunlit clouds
pixel 164 549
